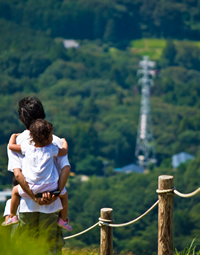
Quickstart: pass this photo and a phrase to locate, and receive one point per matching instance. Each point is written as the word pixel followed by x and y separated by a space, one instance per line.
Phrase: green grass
pixel 138 44
pixel 153 47
pixel 191 250
pixel 84 251
pixel 19 244
pixel 24 244
pixel 156 43
pixel 150 47
pixel 148 43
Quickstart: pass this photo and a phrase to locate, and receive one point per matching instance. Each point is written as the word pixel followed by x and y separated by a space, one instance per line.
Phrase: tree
pixel 110 31
pixel 188 56
pixel 169 53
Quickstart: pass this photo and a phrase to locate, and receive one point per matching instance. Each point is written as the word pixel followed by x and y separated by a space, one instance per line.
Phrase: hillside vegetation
pixel 92 93
pixel 92 97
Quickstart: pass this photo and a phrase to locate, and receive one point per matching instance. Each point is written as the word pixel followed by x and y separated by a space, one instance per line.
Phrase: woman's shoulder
pixel 24 136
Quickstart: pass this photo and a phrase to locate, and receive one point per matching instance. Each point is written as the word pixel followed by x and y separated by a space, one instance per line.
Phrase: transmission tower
pixel 145 148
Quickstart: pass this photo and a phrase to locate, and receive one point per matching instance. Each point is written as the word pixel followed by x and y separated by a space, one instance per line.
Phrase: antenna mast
pixel 145 147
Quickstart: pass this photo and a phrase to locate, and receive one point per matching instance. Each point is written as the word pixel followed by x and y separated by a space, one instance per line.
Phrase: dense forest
pixel 112 21
pixel 92 97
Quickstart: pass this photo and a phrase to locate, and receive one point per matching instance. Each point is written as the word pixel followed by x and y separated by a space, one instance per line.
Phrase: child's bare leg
pixel 15 200
pixel 7 217
pixel 65 171
pixel 64 211
pixel 63 222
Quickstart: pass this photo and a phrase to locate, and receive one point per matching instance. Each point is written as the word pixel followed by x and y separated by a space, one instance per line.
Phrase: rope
pixel 133 221
pixel 100 223
pixel 178 193
pixel 162 191
pixel 187 195
pixel 100 219
pixel 78 234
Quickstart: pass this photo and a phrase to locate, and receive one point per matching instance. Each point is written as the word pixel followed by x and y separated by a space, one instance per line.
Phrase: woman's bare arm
pixel 22 182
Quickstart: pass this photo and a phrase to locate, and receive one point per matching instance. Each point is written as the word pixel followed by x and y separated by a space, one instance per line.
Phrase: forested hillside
pixel 111 20
pixel 92 97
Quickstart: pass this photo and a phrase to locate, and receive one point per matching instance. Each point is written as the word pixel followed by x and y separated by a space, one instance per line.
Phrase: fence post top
pixel 165 177
pixel 106 209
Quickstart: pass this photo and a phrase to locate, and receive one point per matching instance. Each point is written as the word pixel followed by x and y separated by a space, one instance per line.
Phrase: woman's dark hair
pixel 30 109
pixel 40 131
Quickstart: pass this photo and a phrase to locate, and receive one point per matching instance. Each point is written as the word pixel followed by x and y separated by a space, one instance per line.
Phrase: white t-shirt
pixel 39 164
pixel 17 160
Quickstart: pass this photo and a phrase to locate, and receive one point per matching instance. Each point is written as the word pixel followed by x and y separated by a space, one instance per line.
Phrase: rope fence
pixel 106 222
pixel 130 222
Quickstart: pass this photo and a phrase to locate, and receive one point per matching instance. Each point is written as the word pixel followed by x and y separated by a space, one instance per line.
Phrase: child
pixel 39 153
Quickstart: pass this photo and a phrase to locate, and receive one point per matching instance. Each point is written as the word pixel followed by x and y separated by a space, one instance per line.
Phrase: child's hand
pixel 65 145
pixel 38 200
pixel 15 135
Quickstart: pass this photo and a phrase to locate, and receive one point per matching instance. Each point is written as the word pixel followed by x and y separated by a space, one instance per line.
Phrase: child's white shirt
pixel 39 163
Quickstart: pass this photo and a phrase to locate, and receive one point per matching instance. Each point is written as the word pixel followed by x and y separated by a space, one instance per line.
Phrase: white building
pixel 70 44
pixel 5 194
pixel 181 157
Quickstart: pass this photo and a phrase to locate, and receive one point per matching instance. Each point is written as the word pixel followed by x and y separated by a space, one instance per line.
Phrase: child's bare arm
pixel 64 150
pixel 12 144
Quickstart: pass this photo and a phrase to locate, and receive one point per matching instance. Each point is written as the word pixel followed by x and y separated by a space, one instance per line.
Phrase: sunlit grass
pixel 150 47
pixel 24 244
pixel 76 251
pixel 20 244
pixel 12 241
pixel 148 43
pixel 139 44
pixel 153 47
pixel 156 43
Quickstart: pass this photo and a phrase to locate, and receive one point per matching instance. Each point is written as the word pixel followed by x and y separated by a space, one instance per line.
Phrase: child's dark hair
pixel 40 131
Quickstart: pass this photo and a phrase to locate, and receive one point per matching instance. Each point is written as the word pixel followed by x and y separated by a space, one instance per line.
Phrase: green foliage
pixel 169 53
pixel 14 242
pixel 91 96
pixel 189 250
pixel 188 56
pixel 89 85
pixel 110 20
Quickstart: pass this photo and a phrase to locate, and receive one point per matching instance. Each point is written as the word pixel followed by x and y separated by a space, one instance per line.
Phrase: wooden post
pixel 106 246
pixel 165 216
